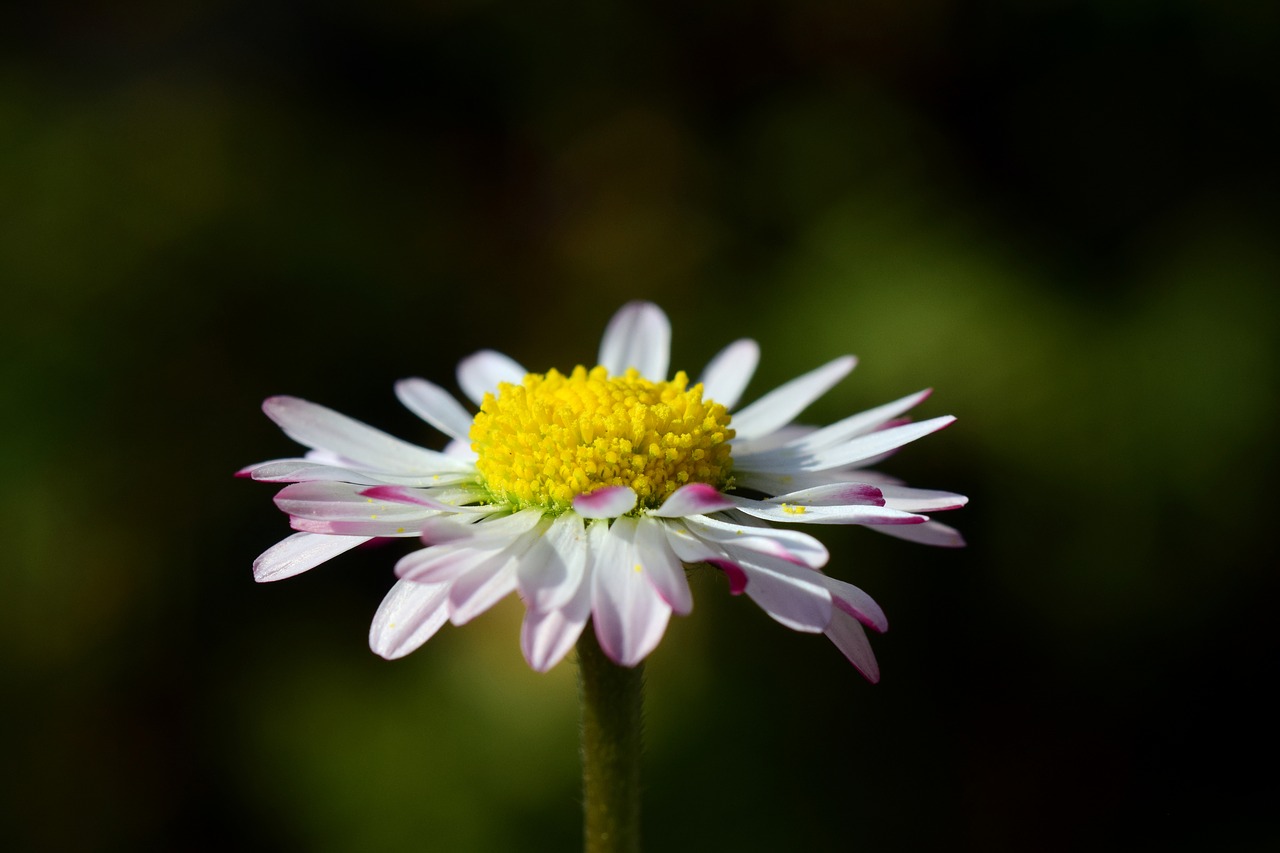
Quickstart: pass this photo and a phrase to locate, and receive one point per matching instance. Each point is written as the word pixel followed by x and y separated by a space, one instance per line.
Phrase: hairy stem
pixel 612 698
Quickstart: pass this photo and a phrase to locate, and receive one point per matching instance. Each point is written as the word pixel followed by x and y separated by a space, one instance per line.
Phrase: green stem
pixel 612 697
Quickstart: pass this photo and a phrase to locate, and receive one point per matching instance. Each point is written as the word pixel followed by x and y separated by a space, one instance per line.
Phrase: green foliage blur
pixel 1060 215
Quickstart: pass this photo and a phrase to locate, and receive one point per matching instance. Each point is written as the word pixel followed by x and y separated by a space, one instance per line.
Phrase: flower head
pixel 588 493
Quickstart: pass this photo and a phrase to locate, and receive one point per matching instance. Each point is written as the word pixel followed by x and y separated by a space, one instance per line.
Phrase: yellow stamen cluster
pixel 553 437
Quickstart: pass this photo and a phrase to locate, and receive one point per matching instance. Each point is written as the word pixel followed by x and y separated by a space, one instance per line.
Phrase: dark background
pixel 1062 215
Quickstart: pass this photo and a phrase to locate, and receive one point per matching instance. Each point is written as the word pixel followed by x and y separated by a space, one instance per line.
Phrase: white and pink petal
pixel 930 533
pixel 693 499
pixel 321 428
pixel 609 502
pixel 850 638
pixel 628 613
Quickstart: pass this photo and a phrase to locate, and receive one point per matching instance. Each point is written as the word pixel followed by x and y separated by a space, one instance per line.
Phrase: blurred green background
pixel 1061 215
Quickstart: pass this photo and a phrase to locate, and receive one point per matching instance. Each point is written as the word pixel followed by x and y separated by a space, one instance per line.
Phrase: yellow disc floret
pixel 553 437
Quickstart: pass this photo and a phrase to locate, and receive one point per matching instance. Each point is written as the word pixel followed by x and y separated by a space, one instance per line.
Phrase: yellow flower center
pixel 553 437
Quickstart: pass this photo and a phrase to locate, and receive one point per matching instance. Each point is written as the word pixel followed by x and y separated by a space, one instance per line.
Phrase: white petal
pixel 507 526
pixel 688 547
pixel 481 373
pixel 861 450
pixel 609 502
pixel 921 500
pixel 553 570
pixel 840 432
pixel 777 438
pixel 661 566
pixel 629 615
pixel 409 615
pixel 930 533
pixel 846 632
pixel 448 528
pixel 484 586
pixel 692 499
pixel 436 406
pixel 460 448
pixel 726 376
pixel 388 528
pixel 546 637
pixel 299 553
pixel 444 563
pixel 324 429
pixel 781 405
pixel 638 336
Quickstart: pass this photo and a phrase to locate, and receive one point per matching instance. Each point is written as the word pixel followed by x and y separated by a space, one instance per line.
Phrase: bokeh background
pixel 1061 215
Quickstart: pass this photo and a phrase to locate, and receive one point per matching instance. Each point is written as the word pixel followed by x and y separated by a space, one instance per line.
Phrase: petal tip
pixel 609 502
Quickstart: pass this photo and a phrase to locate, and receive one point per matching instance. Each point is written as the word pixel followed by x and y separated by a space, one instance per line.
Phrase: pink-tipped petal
pixel 692 499
pixel 481 373
pixel 847 633
pixel 638 336
pixel 736 576
pixel 791 594
pixel 781 405
pixel 726 376
pixel 410 615
pixel 299 553
pixel 412 497
pixel 932 533
pixel 339 508
pixel 436 406
pixel 856 603
pixel 834 494
pixel 609 502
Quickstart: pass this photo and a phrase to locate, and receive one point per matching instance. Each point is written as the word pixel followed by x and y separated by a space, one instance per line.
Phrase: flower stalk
pixel 612 699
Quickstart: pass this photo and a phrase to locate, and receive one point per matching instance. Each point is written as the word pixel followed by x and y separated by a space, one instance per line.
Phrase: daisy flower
pixel 589 492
